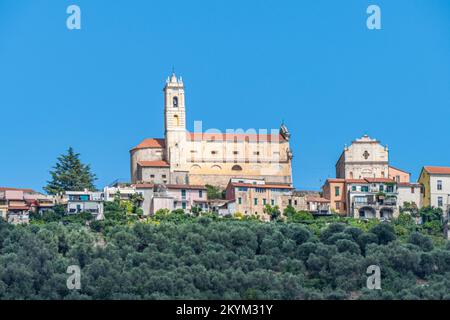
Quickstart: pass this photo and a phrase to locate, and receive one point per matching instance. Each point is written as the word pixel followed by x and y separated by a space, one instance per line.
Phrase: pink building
pixel 400 176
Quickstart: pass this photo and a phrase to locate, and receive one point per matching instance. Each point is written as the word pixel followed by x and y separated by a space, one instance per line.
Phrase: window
pixel 272 202
pixel 193 151
pixel 183 205
pixel 390 189
pixel 200 193
pixel 236 168
pixel 255 201
pixel 381 188
pixel 439 185
pixel 175 102
pixel 235 152
pixel 337 191
pixel 242 189
pixel 353 188
pixel 264 202
pixel 440 202
pixel 152 176
pixel 256 153
pixel 259 190
pixel 213 152
pixel 338 205
pixel 164 176
pixel 239 200
pixel 413 190
pixel 290 202
pixel 183 193
pixel 397 178
pixel 364 188
pixel 176 120
pixel 295 202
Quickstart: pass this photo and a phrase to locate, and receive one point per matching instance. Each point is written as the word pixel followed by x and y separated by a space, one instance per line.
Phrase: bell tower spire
pixel 175 122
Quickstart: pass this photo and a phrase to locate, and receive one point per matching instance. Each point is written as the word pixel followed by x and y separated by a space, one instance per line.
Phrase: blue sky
pixel 246 64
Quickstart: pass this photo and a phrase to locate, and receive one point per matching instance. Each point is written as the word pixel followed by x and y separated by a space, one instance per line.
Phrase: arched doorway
pixel 386 213
pixel 367 212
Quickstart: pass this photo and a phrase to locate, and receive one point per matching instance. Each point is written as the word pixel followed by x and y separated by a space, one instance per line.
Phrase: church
pixel 200 158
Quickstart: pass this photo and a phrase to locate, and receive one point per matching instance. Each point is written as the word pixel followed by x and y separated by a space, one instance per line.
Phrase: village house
pixel 436 187
pixel 16 204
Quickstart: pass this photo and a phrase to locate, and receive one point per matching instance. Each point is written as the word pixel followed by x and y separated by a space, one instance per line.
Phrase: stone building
pixel 366 186
pixel 364 158
pixel 252 196
pixel 200 158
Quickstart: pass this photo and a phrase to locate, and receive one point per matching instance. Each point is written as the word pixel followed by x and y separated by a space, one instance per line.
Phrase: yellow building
pixel 210 157
pixel 435 183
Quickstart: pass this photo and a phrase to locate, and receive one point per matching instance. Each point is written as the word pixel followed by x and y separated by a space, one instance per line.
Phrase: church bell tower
pixel 175 123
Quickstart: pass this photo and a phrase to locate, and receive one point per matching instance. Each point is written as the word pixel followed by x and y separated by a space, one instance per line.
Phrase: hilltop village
pixel 250 174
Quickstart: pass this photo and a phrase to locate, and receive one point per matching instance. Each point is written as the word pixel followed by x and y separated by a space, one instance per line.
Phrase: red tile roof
pixel 255 137
pixel 157 163
pixel 334 180
pixel 15 189
pixel 151 143
pixel 355 181
pixel 185 186
pixel 262 186
pixel 379 180
pixel 437 170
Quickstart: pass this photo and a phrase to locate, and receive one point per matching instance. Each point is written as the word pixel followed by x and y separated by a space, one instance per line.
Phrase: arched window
pixel 175 102
pixel 176 120
pixel 236 168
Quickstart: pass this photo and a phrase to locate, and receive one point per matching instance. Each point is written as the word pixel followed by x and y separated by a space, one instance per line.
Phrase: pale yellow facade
pixel 210 157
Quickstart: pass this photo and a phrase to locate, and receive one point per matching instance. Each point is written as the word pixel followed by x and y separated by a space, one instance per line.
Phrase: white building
pixel 372 198
pixel 84 201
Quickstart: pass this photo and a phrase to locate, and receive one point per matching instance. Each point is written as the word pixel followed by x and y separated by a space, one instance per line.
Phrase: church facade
pixel 199 158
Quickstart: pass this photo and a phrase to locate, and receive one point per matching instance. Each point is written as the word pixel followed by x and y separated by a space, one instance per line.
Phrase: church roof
pixel 157 163
pixel 253 137
pixel 151 143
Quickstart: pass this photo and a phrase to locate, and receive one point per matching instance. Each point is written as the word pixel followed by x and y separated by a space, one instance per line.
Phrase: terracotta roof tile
pixel 185 186
pixel 262 186
pixel 157 163
pixel 437 170
pixel 151 143
pixel 379 180
pixel 15 189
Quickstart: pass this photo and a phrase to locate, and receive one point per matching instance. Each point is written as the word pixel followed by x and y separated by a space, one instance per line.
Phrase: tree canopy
pixel 178 256
pixel 70 174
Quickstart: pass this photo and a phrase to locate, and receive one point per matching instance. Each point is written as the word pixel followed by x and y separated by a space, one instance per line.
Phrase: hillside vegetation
pixel 175 256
